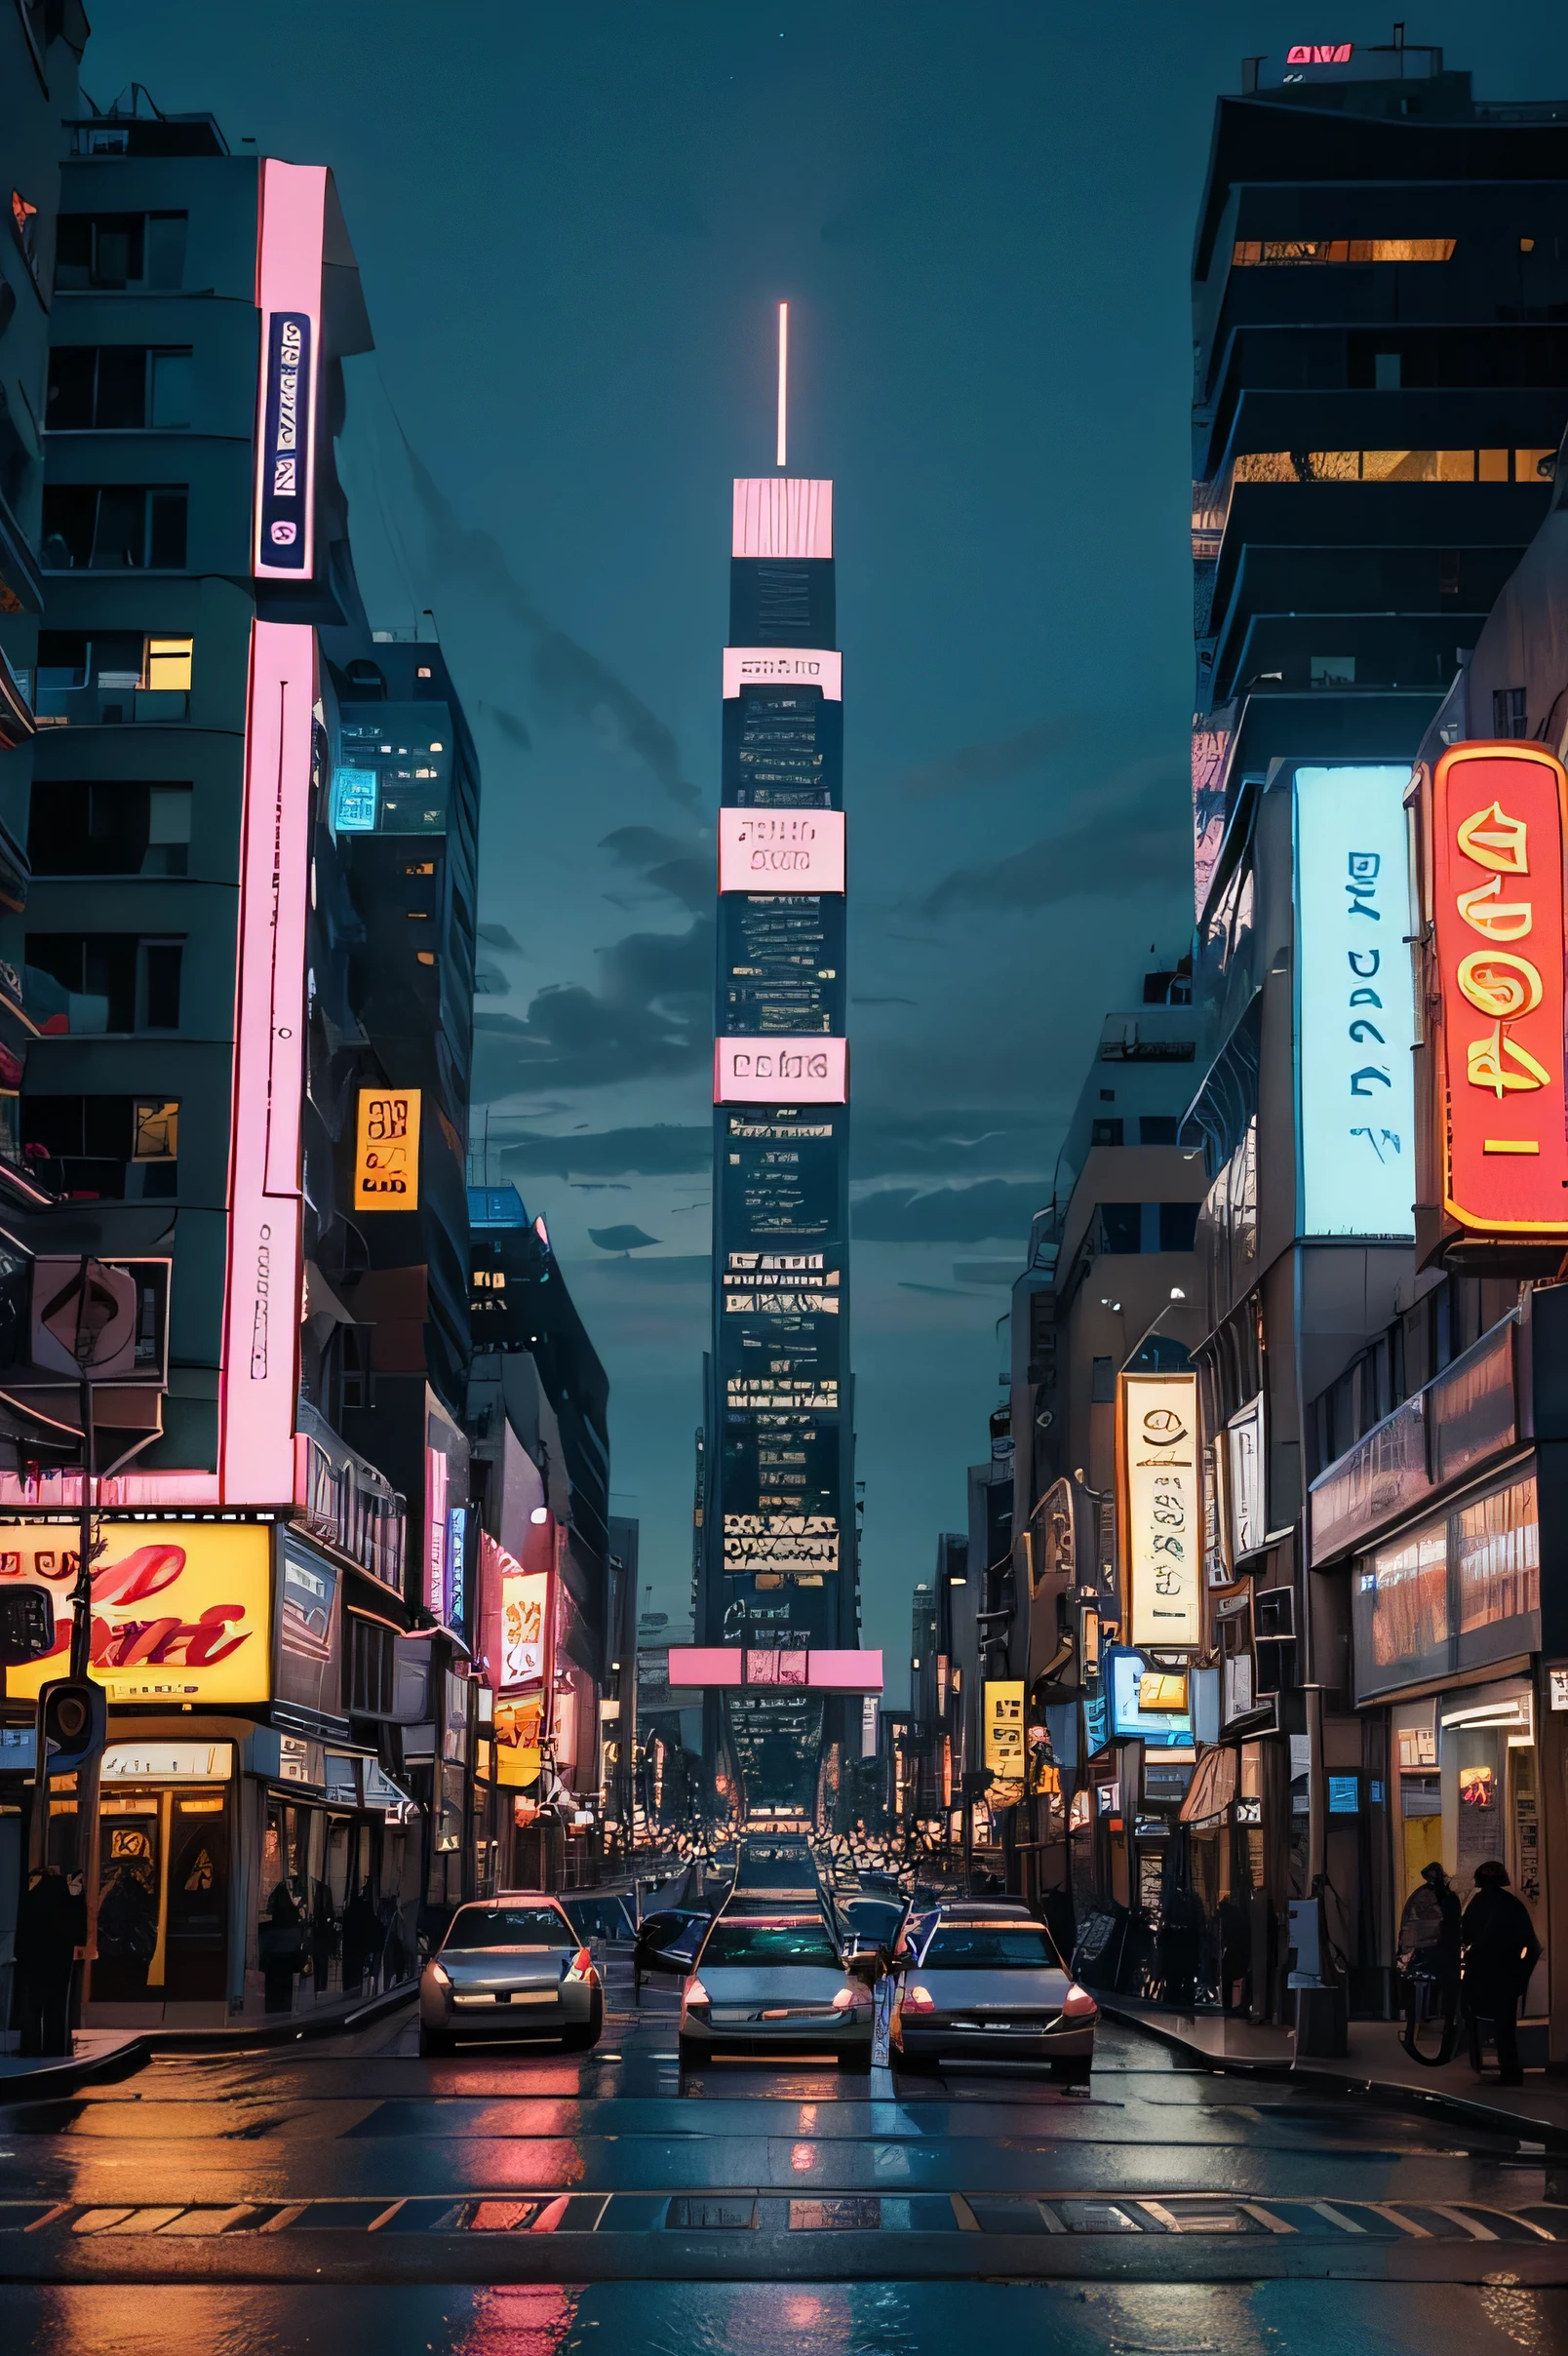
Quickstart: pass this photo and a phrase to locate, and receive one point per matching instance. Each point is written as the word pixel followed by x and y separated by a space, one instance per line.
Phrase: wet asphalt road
pixel 343 2194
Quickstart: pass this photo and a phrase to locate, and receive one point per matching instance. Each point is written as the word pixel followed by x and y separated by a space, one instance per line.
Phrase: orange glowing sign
pixel 1497 832
pixel 181 1610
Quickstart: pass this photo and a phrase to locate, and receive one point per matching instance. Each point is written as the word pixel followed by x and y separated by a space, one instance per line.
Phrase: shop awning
pixel 1212 1788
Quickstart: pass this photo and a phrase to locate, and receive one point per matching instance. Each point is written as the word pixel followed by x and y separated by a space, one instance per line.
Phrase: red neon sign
pixel 1320 53
pixel 1498 814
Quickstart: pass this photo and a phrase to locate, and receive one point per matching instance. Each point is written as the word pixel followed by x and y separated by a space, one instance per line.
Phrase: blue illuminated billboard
pixel 1355 1004
pixel 1132 1685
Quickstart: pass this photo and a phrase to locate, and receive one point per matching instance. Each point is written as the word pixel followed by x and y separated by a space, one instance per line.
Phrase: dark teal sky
pixel 573 225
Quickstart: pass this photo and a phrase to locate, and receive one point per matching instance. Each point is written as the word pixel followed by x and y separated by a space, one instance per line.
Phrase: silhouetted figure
pixel 1501 1950
pixel 51 1925
pixel 362 1937
pixel 1236 1951
pixel 280 1949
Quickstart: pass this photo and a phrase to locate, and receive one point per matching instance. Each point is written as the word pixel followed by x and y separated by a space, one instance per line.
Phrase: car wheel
pixel 435 2041
pixel 581 2040
pixel 1071 2073
pixel 694 2052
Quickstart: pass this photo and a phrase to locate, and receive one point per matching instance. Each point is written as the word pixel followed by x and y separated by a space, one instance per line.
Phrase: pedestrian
pixel 1429 1954
pixel 362 1937
pixel 1501 1950
pixel 281 1944
pixel 51 1925
pixel 1236 1951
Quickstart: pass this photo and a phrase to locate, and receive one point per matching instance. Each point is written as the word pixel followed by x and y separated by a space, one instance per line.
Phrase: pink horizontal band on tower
pixel 825 1671
pixel 784 666
pixel 844 1673
pixel 765 1068
pixel 787 515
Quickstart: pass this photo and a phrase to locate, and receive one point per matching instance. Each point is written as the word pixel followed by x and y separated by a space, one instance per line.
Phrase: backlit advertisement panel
pixel 1354 1005
pixel 781 850
pixel 784 666
pixel 261 1312
pixel 1145 1704
pixel 288 280
pixel 525 1595
pixel 1158 1501
pixel 1497 843
pixel 181 1610
pixel 780 1071
pixel 387 1158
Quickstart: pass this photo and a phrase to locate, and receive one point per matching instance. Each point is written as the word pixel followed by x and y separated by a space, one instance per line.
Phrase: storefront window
pixel 1499 1557
pixel 1401 1610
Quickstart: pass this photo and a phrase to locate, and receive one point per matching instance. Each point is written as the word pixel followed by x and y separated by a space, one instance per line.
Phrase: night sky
pixel 573 224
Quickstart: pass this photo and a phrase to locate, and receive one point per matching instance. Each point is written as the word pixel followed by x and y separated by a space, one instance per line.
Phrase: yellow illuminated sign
pixel 182 1611
pixel 1004 1727
pixel 386 1165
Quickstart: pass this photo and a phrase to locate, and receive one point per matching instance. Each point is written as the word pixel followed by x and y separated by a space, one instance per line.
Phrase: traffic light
pixel 72 1723
pixel 26 1625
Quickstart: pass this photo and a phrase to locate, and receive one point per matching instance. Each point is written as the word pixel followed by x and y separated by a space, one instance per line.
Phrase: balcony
pixel 105 706
pixel 345 1500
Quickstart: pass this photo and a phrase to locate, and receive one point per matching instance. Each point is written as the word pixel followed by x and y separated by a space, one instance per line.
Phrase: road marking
pixel 1406 2225
pixel 386 2217
pixel 1456 2216
pixel 1336 2216
pixel 969 2223
pixel 286 2217
pixel 1254 2208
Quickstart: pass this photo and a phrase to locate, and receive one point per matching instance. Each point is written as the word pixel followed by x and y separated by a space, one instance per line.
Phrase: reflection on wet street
pixel 346 2194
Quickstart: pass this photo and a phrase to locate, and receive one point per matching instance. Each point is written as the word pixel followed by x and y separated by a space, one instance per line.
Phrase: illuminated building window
pixel 1390 466
pixel 168 662
pixel 1274 252
pixel 95 1149
pixel 155 1128
pixel 354 802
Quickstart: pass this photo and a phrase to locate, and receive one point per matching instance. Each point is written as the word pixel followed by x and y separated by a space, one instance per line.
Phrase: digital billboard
pixel 1354 1004
pixel 292 228
pixel 386 1155
pixel 780 1071
pixel 182 1611
pixel 781 850
pixel 1497 912
pixel 1158 1500
pixel 1140 1702
pixel 820 667
pixel 261 1310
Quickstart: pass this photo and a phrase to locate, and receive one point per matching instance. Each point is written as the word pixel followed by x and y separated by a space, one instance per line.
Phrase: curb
pixel 84 2069
pixel 1388 2091
pixel 288 2030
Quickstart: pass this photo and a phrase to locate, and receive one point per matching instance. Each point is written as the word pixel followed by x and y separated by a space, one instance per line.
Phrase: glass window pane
pixel 72 368
pixel 167 553
pixel 1400 1609
pixel 166 249
pixel 120 541
pixel 122 386
pixel 171 388
pixel 1499 1557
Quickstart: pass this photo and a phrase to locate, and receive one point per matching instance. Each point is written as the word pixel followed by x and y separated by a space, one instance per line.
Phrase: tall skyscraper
pixel 778 1575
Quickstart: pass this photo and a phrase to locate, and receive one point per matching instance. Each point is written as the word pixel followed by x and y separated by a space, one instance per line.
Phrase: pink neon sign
pixel 780 1071
pixel 1320 53
pixel 784 666
pixel 261 1308
pixel 780 850
pixel 293 205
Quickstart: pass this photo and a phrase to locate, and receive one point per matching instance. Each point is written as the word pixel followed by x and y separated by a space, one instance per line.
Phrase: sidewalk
pixel 96 2053
pixel 1377 2063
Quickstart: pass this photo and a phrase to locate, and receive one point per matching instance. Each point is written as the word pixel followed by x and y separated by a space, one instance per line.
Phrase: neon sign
pixel 1498 831
pixel 1320 53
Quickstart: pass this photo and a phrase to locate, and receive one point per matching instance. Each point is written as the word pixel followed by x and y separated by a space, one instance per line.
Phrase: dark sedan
pixel 987 1986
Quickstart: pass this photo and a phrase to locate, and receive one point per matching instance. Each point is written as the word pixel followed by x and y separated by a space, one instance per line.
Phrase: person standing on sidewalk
pixel 1501 1950
pixel 51 1925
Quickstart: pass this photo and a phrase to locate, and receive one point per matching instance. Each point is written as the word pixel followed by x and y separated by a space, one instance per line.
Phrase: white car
pixel 766 1981
pixel 511 1966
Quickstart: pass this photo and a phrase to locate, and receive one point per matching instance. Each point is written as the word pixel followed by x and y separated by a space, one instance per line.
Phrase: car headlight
pixel 1078 2004
pixel 695 1997
pixel 441 1978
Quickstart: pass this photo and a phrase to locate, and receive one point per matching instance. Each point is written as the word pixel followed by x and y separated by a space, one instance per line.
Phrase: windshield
pixel 753 1944
pixel 984 1947
pixel 510 1927
pixel 776 1870
pixel 873 1917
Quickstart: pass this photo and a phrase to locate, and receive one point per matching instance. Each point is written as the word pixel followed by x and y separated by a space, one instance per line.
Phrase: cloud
pixel 665 861
pixel 1083 863
pixel 510 727
pixel 653 1014
pixel 564 672
pixel 990 764
pixel 951 1141
pixel 662 1151
pixel 991 1210
pixel 624 1239
pixel 496 936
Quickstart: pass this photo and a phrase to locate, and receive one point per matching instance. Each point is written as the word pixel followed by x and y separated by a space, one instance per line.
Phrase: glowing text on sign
pixel 1498 821
pixel 1160 1502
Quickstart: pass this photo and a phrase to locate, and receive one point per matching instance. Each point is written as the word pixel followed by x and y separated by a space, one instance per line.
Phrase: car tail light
pixel 581 1964
pixel 918 1999
pixel 852 1998
pixel 694 1993
pixel 1078 2004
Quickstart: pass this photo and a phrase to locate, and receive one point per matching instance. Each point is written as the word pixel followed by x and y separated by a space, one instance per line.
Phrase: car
pixel 600 1917
pixel 781 1866
pixel 511 1966
pixel 983 1982
pixel 766 1981
pixel 668 1939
